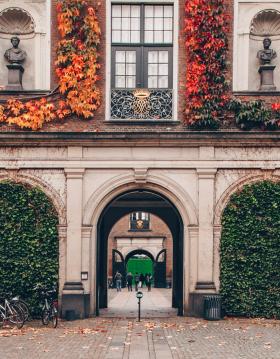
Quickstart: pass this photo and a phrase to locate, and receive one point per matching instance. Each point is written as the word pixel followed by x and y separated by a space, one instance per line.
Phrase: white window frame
pixel 175 52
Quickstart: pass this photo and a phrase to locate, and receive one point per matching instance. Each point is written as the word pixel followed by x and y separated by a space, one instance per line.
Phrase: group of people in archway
pixel 139 280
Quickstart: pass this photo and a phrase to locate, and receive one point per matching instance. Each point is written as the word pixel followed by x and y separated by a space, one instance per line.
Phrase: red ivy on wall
pixel 206 43
pixel 77 66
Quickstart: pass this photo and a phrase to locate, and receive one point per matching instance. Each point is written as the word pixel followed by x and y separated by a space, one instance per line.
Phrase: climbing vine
pixel 206 45
pixel 207 97
pixel 28 242
pixel 77 71
pixel 250 252
pixel 255 114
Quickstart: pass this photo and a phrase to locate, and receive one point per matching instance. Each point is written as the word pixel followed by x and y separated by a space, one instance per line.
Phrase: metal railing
pixel 141 104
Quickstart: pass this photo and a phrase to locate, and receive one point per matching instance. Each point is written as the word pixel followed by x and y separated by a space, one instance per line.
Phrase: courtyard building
pixel 109 136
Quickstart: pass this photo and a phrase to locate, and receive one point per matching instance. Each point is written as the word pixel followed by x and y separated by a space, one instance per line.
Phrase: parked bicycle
pixel 49 310
pixel 23 306
pixel 11 312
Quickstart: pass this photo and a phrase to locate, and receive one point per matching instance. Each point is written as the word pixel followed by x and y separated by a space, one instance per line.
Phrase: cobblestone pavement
pixel 156 303
pixel 175 337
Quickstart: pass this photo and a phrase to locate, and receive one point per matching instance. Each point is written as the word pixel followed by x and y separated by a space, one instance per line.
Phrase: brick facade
pixel 97 124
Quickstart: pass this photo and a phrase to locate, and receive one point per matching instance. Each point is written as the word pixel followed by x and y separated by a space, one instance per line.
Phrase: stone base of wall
pixel 74 299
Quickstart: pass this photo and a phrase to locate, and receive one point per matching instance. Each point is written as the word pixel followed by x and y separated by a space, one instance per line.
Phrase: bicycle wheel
pixel 24 308
pixel 45 316
pixel 1 319
pixel 54 317
pixel 16 315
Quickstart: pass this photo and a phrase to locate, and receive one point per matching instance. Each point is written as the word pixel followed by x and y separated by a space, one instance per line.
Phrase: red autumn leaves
pixel 206 44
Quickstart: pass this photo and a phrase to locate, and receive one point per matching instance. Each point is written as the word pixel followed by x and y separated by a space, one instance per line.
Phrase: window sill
pixel 256 93
pixel 139 230
pixel 142 122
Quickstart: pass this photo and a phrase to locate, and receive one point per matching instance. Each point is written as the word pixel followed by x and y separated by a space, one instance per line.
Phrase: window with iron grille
pixel 142 60
pixel 139 221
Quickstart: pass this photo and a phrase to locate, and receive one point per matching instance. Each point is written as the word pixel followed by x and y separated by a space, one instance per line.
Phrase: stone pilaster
pixel 62 235
pixel 193 257
pixel 73 290
pixel 217 240
pixel 206 185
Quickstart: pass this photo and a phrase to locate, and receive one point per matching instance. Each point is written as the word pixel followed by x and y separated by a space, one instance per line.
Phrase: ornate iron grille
pixel 141 104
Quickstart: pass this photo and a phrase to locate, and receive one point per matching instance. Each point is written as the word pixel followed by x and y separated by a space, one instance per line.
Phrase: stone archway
pixel 139 251
pixel 140 199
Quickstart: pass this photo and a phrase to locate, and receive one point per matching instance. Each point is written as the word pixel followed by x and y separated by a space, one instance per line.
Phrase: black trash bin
pixel 212 307
pixel 70 315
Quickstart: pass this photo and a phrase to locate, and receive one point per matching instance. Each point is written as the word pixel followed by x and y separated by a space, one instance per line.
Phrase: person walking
pixel 118 279
pixel 141 280
pixel 149 282
pixel 146 275
pixel 136 280
pixel 129 279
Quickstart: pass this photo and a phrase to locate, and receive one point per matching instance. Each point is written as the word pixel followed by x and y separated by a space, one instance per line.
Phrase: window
pixel 142 40
pixel 139 221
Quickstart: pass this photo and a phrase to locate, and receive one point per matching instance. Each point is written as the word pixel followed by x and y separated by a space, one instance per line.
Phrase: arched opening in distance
pixel 147 202
pixel 139 261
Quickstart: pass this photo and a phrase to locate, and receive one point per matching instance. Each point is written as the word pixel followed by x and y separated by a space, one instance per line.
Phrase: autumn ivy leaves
pixel 77 67
pixel 250 252
pixel 206 45
pixel 77 61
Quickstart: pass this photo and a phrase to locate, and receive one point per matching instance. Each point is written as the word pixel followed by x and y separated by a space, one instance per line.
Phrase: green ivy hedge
pixel 250 252
pixel 28 242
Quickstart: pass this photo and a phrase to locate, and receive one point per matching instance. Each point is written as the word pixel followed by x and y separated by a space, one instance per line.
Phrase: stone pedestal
pixel 74 299
pixel 267 78
pixel 15 77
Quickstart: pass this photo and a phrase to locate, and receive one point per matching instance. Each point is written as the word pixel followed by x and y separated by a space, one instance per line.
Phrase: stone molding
pixel 62 231
pixel 262 175
pixel 86 232
pixel 206 173
pixel 74 173
pixel 140 175
pixel 118 184
pixel 193 231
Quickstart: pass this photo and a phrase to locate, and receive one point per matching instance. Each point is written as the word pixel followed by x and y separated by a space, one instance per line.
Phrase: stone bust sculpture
pixel 266 55
pixel 15 55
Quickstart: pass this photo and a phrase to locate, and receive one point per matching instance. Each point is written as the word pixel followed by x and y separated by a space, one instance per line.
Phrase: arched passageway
pixel 150 202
